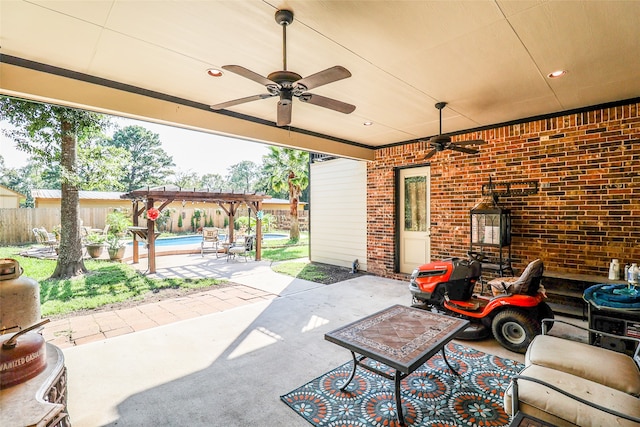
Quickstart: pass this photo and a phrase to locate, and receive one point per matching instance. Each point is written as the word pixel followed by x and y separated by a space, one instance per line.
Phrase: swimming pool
pixel 197 238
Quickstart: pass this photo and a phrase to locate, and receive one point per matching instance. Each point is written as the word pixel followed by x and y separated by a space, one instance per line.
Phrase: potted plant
pixel 95 245
pixel 115 247
pixel 118 222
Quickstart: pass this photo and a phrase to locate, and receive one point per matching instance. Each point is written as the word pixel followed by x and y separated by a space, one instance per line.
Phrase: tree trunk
pixel 70 262
pixel 294 193
pixel 294 230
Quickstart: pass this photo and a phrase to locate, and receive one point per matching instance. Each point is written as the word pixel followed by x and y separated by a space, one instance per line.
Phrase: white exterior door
pixel 415 240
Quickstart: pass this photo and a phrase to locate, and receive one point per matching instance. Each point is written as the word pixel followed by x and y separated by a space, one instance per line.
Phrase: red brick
pixel 586 212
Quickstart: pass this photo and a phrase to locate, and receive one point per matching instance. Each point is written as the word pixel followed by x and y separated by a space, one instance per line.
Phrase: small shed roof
pixel 84 195
pixel 7 191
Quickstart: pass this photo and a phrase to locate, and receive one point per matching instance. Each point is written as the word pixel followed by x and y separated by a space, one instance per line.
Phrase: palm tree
pixel 288 171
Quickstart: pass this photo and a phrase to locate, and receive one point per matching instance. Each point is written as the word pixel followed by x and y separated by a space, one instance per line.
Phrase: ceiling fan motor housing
pixel 284 78
pixel 284 17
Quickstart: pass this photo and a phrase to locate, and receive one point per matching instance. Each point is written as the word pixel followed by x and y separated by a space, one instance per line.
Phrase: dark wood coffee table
pixel 402 338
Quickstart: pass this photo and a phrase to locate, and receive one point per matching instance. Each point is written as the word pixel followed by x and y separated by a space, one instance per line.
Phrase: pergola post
pixel 151 240
pixel 136 222
pixel 258 207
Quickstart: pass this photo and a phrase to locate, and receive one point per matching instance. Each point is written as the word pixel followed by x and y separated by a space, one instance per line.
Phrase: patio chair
pixel 240 247
pixel 43 237
pixel 104 231
pixel 210 237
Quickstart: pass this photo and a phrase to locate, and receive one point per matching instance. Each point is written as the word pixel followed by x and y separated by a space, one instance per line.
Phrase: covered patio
pixel 145 198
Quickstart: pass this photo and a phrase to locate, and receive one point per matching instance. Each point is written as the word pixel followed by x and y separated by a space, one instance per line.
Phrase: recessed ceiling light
pixel 214 72
pixel 556 74
pixel 368 123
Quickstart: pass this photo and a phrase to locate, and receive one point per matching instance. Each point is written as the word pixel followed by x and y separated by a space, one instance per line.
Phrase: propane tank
pixel 19 298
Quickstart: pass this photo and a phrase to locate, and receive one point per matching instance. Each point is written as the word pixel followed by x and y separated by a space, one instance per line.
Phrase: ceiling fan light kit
pixel 442 142
pixel 287 84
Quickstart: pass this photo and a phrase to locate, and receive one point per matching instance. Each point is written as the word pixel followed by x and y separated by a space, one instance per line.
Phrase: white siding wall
pixel 339 212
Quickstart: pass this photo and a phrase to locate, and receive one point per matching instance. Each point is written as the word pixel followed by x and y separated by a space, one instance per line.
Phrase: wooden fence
pixel 16 225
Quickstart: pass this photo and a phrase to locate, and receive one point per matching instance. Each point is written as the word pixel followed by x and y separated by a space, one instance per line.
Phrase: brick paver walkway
pixel 79 330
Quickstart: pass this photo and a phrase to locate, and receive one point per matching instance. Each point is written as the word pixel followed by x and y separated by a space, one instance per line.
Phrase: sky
pixel 198 152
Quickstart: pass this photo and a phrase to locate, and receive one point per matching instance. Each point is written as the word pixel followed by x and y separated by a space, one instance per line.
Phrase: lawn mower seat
pixel 527 283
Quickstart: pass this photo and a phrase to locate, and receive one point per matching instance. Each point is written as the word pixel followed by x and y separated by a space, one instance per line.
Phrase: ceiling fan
pixel 287 84
pixel 443 142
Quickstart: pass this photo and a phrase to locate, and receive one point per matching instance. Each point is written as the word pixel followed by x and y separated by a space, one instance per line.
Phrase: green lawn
pixel 112 282
pixel 302 270
pixel 106 283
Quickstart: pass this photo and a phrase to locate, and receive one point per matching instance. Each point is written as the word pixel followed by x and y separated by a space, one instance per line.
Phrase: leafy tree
pixel 264 185
pixel 213 182
pixel 50 134
pixel 150 164
pixel 101 167
pixel 10 178
pixel 23 180
pixel 186 179
pixel 241 176
pixel 288 171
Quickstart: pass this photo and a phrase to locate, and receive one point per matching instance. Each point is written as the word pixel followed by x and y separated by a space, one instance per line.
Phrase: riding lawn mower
pixel 512 313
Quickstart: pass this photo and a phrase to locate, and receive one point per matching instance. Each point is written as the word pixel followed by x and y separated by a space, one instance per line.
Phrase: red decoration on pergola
pixel 229 201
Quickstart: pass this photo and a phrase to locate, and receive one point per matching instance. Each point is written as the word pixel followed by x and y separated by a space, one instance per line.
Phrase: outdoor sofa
pixel 570 383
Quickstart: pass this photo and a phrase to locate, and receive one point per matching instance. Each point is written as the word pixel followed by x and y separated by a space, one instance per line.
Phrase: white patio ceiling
pixel 488 59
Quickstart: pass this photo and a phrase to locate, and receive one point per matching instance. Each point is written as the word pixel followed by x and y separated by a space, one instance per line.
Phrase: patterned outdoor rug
pixel 431 396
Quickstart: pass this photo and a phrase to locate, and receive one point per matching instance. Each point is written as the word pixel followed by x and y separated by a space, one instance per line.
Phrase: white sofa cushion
pixel 597 364
pixel 551 406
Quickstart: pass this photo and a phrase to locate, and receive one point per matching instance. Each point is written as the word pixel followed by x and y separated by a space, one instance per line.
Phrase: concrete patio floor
pixel 220 358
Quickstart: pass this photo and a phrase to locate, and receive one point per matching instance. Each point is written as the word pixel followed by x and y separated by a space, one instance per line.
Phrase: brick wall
pixel 586 211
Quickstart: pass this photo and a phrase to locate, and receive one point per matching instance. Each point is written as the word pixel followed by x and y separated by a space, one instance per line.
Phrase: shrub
pixel 95 239
pixel 118 222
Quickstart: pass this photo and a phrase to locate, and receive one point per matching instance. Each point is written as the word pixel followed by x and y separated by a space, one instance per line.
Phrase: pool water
pixel 196 239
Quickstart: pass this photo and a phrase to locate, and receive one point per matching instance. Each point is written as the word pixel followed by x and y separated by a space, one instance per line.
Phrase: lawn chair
pixel 104 231
pixel 210 237
pixel 43 237
pixel 240 247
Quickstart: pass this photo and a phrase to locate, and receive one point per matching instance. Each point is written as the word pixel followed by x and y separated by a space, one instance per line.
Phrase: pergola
pixel 228 201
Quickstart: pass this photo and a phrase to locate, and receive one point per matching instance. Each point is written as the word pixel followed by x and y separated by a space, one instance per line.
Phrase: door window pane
pixel 415 203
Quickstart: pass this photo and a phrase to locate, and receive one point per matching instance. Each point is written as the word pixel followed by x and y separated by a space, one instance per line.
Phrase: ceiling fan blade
pixel 462 149
pixel 224 105
pixel 472 142
pixel 284 112
pixel 430 154
pixel 320 78
pixel 323 101
pixel 244 72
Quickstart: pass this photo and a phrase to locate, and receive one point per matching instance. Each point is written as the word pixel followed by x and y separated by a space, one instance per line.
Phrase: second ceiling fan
pixel 443 142
pixel 287 84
